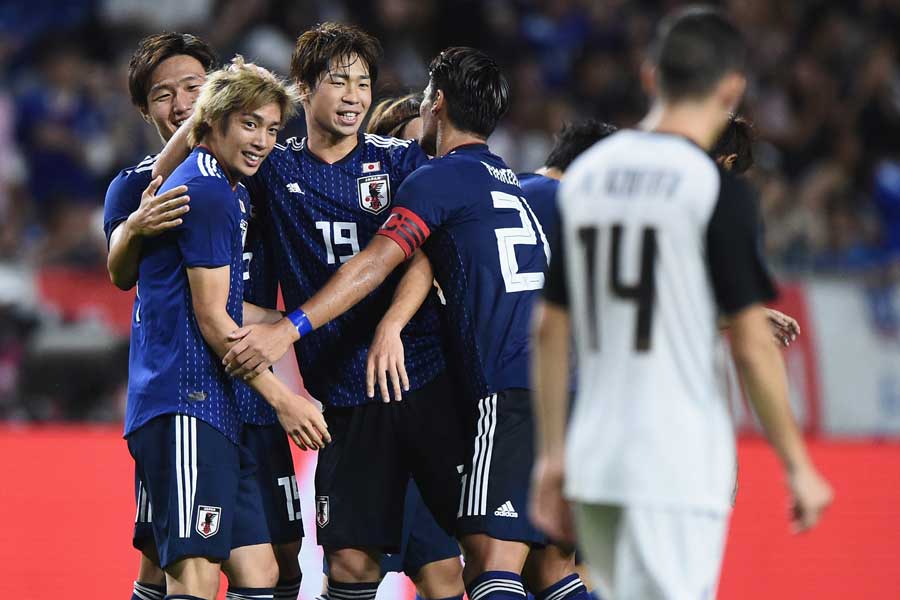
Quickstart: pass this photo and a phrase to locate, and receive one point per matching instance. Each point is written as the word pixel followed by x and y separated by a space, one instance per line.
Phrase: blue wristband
pixel 300 321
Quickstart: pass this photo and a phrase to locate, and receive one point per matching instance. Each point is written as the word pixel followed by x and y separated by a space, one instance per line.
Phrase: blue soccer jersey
pixel 318 216
pixel 124 194
pixel 489 254
pixel 261 289
pixel 171 368
pixel 540 192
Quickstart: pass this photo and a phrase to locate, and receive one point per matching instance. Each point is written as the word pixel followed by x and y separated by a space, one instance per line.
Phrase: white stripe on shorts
pixel 475 486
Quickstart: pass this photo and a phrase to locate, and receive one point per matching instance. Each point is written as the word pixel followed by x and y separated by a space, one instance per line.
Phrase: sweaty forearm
pixel 254 315
pixel 411 292
pixel 124 256
pixel 355 280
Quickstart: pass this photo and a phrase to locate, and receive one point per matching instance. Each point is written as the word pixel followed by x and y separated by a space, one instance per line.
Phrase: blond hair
pixel 239 86
pixel 391 115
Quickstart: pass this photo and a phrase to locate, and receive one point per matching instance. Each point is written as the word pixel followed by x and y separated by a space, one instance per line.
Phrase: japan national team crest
pixel 374 193
pixel 208 518
pixel 323 511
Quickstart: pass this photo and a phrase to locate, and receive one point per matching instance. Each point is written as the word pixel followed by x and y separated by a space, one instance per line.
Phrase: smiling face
pixel 174 87
pixel 339 103
pixel 244 139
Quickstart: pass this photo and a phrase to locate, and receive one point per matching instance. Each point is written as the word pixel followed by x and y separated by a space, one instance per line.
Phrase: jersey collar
pixel 347 158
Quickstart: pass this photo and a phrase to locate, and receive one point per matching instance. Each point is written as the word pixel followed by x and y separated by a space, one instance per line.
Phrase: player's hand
pixel 784 328
pixel 304 423
pixel 385 359
pixel 810 496
pixel 550 511
pixel 257 347
pixel 157 214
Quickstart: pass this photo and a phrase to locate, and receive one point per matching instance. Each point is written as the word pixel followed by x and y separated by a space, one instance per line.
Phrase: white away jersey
pixel 657 241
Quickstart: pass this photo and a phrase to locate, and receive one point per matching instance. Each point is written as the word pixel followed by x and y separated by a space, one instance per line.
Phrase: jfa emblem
pixel 323 512
pixel 208 518
pixel 374 193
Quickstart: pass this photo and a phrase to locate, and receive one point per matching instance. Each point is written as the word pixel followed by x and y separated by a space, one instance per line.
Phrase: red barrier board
pixel 66 509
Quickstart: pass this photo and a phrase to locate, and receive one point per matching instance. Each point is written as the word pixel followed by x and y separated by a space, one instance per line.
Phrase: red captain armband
pixel 406 229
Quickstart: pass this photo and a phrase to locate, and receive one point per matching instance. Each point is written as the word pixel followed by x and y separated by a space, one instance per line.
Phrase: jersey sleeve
pixel 206 235
pixel 734 251
pixel 122 198
pixel 556 287
pixel 419 206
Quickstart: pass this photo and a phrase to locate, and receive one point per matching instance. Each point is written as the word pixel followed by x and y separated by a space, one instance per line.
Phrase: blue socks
pixel 567 588
pixel 496 585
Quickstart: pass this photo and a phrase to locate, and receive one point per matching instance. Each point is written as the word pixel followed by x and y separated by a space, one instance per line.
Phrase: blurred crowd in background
pixel 823 96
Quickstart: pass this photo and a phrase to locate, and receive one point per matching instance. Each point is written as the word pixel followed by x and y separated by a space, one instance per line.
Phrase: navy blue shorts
pixel 269 446
pixel 362 475
pixel 142 537
pixel 497 475
pixel 202 488
pixel 423 539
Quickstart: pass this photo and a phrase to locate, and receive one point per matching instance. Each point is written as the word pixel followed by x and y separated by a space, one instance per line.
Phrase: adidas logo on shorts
pixel 506 510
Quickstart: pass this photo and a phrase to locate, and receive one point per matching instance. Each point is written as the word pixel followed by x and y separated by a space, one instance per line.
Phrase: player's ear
pixel 730 90
pixel 304 91
pixel 437 104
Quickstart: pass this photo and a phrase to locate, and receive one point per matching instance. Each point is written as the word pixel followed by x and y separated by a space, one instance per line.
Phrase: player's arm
pixel 209 294
pixel 551 333
pixel 386 357
pixel 175 151
pixel 254 315
pixel 764 376
pixel 741 284
pixel 154 215
pixel 259 346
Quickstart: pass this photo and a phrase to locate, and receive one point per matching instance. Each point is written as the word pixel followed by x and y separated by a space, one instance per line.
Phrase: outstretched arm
pixel 257 347
pixel 176 150
pixel 209 293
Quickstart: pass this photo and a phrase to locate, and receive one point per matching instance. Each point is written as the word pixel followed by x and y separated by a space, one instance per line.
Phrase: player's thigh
pixel 433 420
pixel 670 553
pixel 191 473
pixel 430 557
pixel 252 567
pixel 597 529
pixel 361 480
pixel 497 475
pixel 277 483
pixel 194 576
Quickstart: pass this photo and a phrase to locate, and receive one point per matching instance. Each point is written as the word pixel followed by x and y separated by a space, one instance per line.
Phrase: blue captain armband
pixel 300 321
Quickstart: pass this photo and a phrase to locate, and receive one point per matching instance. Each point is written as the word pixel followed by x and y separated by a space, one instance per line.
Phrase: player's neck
pixel 328 147
pixel 449 138
pixel 551 172
pixel 694 120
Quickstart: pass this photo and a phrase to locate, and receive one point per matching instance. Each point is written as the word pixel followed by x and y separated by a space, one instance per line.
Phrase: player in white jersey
pixel 657 241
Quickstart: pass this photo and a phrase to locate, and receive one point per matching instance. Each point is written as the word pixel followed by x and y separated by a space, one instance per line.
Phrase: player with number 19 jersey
pixel 318 216
pixel 489 253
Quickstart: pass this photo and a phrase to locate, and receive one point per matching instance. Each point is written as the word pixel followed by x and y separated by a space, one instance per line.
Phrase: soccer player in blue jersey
pixel 183 418
pixel 466 211
pixel 164 78
pixel 322 198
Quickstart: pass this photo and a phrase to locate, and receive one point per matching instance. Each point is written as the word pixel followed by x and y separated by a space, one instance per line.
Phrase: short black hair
pixel 476 92
pixel 575 138
pixel 153 50
pixel 319 46
pixel 694 49
pixel 737 139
